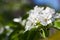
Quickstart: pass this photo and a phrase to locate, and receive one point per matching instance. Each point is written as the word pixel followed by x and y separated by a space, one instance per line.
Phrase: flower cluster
pixel 39 14
pixel 42 15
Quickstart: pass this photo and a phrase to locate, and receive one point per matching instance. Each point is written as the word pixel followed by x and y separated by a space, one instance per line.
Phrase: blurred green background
pixel 10 9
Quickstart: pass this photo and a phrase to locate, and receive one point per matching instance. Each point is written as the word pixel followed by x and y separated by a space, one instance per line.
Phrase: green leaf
pixel 42 33
pixel 16 35
pixel 25 16
pixel 34 34
pixel 24 36
pixel 45 31
pixel 57 24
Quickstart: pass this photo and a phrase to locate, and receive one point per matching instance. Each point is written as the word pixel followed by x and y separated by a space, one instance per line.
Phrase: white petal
pixel 50 21
pixel 23 22
pixel 57 15
pixel 17 19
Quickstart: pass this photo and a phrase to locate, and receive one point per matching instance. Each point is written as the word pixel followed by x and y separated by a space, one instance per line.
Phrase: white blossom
pixel 44 16
pixel 33 17
pixel 17 19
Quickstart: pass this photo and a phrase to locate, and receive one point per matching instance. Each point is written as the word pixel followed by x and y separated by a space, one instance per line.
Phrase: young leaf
pixel 57 24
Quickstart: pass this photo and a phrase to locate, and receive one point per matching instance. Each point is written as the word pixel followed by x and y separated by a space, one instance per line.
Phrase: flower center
pixel 45 19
